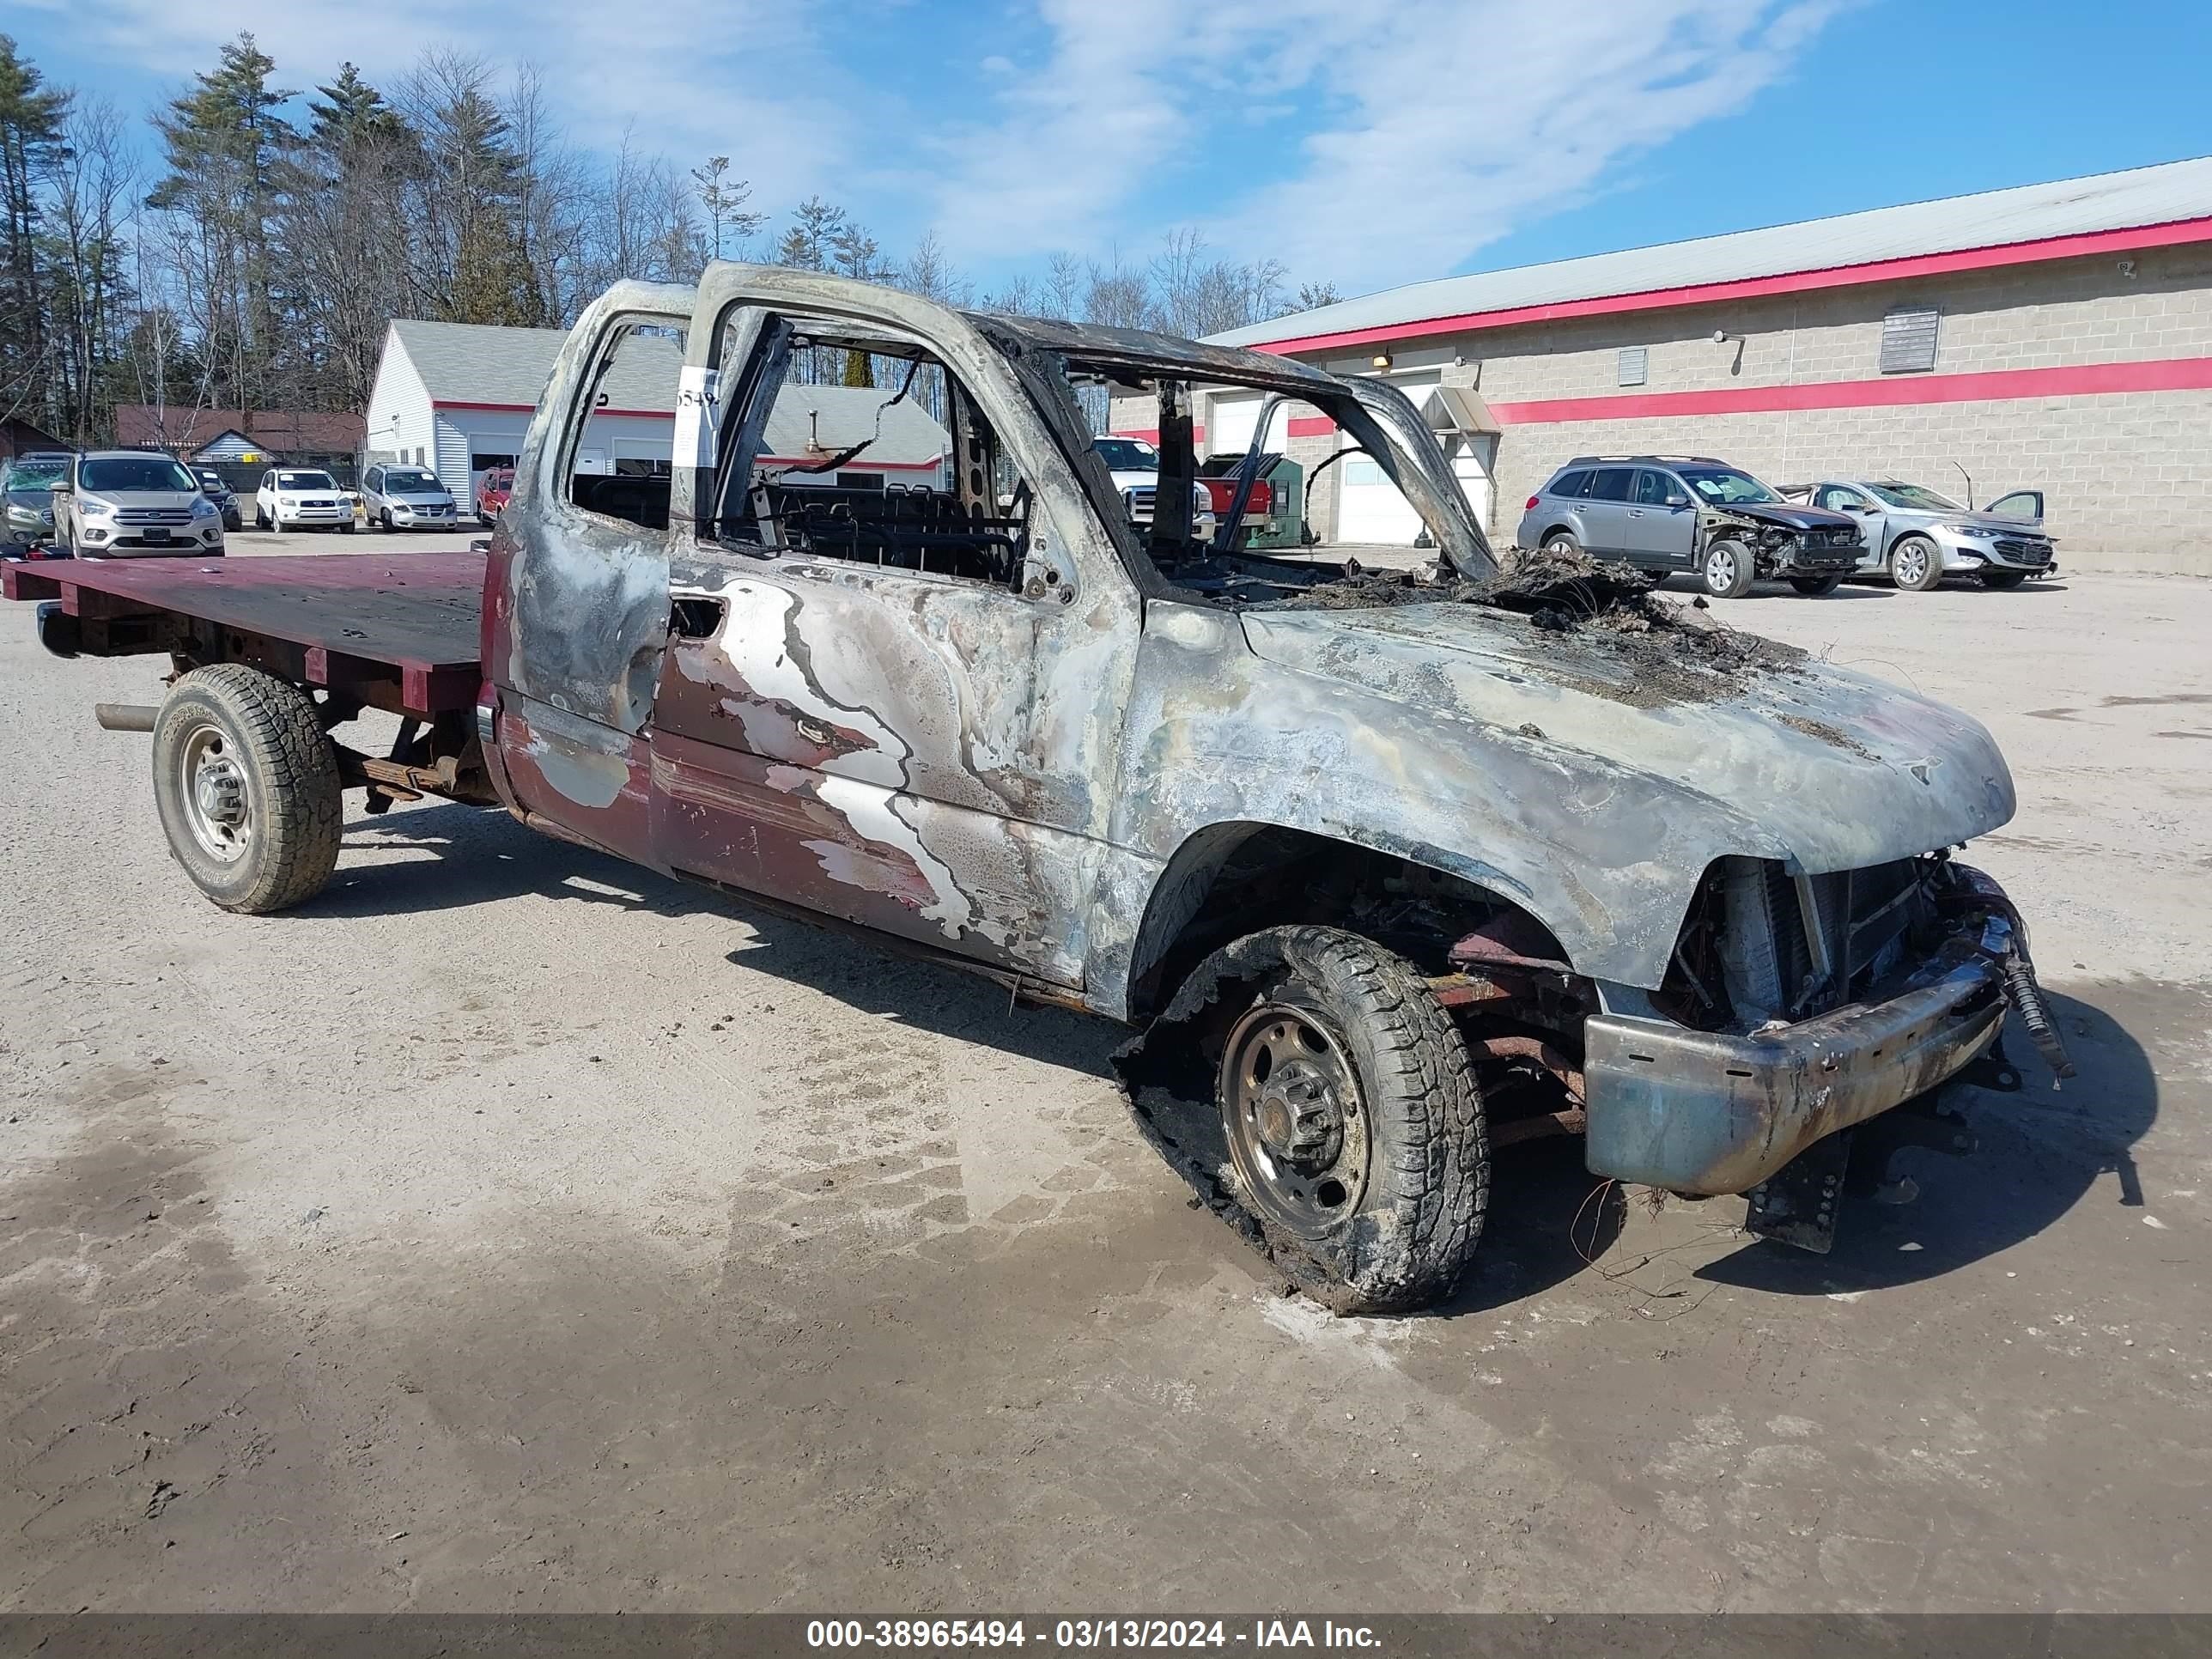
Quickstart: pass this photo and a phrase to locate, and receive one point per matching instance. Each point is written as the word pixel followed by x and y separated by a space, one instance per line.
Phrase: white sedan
pixel 301 500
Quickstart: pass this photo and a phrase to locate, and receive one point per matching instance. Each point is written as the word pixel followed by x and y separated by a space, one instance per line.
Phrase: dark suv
pixel 1691 514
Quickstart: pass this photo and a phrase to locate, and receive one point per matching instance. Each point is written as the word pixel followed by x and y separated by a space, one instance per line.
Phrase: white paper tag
pixel 698 415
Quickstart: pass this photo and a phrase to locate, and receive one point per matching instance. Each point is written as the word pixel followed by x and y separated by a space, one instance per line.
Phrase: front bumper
pixel 1792 560
pixel 1708 1113
pixel 314 515
pixel 1962 553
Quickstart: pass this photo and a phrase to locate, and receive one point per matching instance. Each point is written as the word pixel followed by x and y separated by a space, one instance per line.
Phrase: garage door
pixel 1229 421
pixel 1370 508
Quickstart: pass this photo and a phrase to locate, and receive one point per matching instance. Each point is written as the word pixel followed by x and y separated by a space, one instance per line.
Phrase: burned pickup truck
pixel 1390 868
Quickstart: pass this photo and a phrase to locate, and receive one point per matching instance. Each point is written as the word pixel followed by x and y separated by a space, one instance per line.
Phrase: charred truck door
pixel 576 593
pixel 901 643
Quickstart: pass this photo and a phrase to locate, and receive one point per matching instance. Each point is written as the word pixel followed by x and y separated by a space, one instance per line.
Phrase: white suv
pixel 291 498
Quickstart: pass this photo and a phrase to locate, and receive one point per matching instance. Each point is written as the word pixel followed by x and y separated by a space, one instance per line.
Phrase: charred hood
pixel 1836 769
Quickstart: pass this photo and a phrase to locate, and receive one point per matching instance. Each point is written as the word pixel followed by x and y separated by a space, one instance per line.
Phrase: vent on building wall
pixel 1908 340
pixel 1635 365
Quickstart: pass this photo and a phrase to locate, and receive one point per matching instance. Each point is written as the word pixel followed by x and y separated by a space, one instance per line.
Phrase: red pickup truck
pixel 1392 867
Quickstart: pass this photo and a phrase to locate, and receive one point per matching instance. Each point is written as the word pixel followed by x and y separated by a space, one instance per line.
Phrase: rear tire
pixel 1367 1164
pixel 1916 564
pixel 1727 569
pixel 1561 543
pixel 2003 579
pixel 1816 587
pixel 247 784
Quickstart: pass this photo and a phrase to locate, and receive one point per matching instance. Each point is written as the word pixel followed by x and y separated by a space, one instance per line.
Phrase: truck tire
pixel 1726 568
pixel 1816 587
pixel 1354 1124
pixel 1916 564
pixel 247 787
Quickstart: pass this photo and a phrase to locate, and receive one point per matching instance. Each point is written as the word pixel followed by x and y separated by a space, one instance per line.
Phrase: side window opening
pixel 871 452
pixel 619 456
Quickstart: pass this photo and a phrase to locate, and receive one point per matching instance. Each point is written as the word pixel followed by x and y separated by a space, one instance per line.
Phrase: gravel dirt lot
pixel 510 1229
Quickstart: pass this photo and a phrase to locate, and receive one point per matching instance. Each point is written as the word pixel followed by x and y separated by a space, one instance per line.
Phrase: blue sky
pixel 1367 142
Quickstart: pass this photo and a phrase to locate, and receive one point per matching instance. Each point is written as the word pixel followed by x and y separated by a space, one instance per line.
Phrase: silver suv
pixel 407 498
pixel 1690 513
pixel 134 503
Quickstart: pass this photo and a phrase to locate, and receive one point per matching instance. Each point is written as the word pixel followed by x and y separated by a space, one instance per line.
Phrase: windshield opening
pixel 1723 486
pixel 1296 483
pixel 1914 497
pixel 304 481
pixel 411 478
pixel 127 472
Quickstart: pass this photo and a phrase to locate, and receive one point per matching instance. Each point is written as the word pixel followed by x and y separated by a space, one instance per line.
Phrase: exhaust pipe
pixel 125 716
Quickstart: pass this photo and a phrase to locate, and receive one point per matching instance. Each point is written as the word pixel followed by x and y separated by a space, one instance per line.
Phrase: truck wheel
pixel 1727 569
pixel 1816 587
pixel 247 787
pixel 1915 565
pixel 1349 1103
pixel 2002 580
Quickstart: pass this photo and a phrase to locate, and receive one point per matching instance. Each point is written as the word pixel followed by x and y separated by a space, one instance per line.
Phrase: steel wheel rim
pixel 218 801
pixel 1296 1127
pixel 1912 564
pixel 1720 568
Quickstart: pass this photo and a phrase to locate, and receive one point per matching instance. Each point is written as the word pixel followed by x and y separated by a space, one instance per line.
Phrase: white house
pixel 457 397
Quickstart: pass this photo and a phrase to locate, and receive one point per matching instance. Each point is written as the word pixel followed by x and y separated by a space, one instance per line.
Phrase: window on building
pixel 1908 339
pixel 1635 364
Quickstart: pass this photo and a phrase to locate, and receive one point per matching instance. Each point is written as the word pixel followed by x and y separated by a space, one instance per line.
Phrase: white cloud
pixel 1435 126
pixel 744 78
pixel 1373 141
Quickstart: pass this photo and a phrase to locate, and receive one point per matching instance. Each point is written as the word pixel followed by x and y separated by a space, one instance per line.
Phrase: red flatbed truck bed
pixel 398 631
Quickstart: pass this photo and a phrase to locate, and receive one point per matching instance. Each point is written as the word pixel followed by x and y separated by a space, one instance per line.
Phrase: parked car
pixel 301 498
pixel 1135 467
pixel 211 485
pixel 1917 536
pixel 1691 514
pixel 26 483
pixel 134 503
pixel 493 488
pixel 407 498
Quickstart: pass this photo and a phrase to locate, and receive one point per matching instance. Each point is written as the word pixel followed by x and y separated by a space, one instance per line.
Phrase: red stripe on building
pixel 2079 379
pixel 1800 281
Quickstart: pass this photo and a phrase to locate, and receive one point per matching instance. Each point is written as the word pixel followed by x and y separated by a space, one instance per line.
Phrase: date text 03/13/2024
pixel 1085 1634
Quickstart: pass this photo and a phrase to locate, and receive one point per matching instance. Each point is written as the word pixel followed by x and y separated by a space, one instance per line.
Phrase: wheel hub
pixel 220 793
pixel 1296 1132
pixel 1299 1118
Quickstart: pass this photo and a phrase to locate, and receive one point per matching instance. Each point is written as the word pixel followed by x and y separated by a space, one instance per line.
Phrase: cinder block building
pixel 2056 335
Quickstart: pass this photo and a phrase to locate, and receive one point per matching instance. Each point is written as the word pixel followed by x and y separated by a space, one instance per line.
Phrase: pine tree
pixel 222 143
pixel 31 115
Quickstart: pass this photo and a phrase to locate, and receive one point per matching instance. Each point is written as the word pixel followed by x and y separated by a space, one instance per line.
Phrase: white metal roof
pixel 481 363
pixel 2068 206
pixel 811 421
